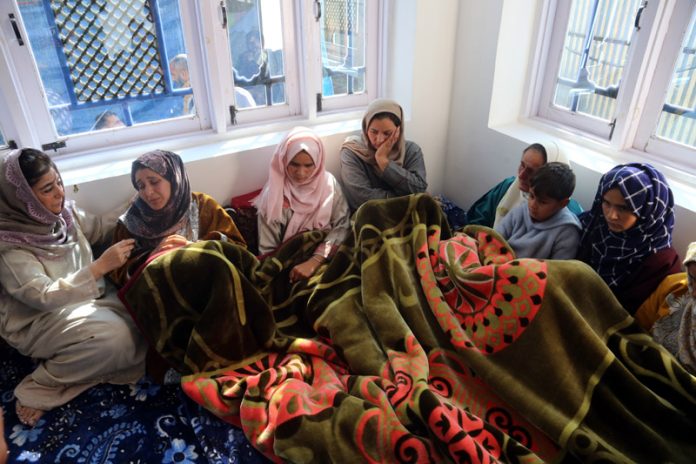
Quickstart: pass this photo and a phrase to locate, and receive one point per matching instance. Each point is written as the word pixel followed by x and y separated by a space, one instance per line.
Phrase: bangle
pixel 318 258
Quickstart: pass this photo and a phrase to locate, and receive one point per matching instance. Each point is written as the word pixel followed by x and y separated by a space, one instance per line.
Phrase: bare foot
pixel 28 416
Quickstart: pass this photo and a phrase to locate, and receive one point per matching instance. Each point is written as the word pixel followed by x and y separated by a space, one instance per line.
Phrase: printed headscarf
pixel 646 193
pixel 690 258
pixel 146 224
pixel 24 220
pixel 311 202
pixel 361 146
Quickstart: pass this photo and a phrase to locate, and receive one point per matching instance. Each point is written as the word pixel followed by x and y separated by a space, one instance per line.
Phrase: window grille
pixel 111 48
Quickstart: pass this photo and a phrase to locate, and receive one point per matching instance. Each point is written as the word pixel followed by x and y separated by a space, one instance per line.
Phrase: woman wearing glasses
pixel 627 234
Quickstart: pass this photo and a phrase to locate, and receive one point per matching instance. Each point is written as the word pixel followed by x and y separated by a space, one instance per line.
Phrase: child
pixel 545 228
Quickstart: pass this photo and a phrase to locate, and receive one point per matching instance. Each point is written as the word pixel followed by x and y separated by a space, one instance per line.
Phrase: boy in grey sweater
pixel 545 228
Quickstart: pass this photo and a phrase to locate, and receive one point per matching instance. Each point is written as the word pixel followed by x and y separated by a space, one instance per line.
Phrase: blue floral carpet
pixel 145 423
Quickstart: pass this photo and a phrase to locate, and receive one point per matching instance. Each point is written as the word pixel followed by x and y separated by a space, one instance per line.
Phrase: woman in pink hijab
pixel 299 196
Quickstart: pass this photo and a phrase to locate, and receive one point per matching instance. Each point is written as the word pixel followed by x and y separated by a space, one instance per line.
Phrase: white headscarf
pixel 514 196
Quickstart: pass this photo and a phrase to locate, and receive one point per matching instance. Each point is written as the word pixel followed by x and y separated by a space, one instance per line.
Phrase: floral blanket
pixel 414 345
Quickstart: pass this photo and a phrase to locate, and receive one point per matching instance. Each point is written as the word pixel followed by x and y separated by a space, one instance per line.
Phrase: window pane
pixel 2 139
pixel 595 51
pixel 256 44
pixel 104 64
pixel 678 118
pixel 343 43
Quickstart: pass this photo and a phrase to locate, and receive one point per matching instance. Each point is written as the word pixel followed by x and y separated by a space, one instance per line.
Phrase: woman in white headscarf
pixel 491 208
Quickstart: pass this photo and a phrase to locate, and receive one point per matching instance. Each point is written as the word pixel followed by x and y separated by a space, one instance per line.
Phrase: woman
pixel 381 163
pixel 54 305
pixel 4 452
pixel 670 312
pixel 166 214
pixel 300 195
pixel 491 208
pixel 627 234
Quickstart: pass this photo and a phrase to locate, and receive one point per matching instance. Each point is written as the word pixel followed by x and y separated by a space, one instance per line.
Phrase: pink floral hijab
pixel 311 202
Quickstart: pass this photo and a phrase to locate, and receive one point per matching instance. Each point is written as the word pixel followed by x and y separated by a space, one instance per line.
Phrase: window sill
pixel 597 156
pixel 112 162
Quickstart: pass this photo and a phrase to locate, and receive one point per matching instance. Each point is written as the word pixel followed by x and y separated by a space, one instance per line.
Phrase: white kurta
pixel 52 309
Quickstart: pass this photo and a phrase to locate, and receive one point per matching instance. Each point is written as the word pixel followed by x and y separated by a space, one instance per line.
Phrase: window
pixel 622 70
pixel 97 73
pixel 677 117
pixel 347 63
pixel 3 144
pixel 256 45
pixel 106 65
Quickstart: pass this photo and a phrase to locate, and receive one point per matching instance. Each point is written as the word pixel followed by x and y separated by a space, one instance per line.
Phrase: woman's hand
pixel 171 242
pixel 305 270
pixel 382 153
pixel 114 257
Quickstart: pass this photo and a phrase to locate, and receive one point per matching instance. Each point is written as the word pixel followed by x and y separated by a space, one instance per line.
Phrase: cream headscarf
pixel 514 196
pixel 361 146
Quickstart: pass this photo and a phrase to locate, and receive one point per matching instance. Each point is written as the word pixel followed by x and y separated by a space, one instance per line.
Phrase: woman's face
pixel 531 161
pixel 153 189
pixel 380 130
pixel 616 211
pixel 300 168
pixel 50 192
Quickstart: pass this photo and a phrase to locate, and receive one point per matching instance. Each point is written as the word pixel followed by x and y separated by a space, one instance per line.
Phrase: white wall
pixel 479 157
pixel 419 74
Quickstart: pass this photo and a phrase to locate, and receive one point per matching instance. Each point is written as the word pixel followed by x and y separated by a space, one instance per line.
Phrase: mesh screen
pixel 110 47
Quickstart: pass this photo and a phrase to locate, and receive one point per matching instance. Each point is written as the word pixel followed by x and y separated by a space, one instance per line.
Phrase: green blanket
pixel 413 345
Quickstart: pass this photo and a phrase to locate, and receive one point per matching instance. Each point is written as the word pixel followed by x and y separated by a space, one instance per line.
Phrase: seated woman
pixel 300 195
pixel 55 306
pixel 491 208
pixel 381 163
pixel 670 312
pixel 166 214
pixel 627 234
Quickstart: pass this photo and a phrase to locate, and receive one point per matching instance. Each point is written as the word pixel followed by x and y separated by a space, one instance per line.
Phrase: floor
pixel 145 423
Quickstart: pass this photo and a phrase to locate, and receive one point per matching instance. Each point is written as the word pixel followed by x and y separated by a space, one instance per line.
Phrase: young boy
pixel 545 228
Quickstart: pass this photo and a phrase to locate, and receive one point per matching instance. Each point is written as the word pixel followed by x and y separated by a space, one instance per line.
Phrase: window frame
pixel 558 24
pixel 210 67
pixel 373 12
pixel 672 34
pixel 641 94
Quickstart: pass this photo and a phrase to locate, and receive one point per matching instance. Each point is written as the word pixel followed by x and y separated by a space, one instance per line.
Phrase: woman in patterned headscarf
pixel 627 234
pixel 381 163
pixel 300 195
pixel 670 312
pixel 54 304
pixel 166 214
